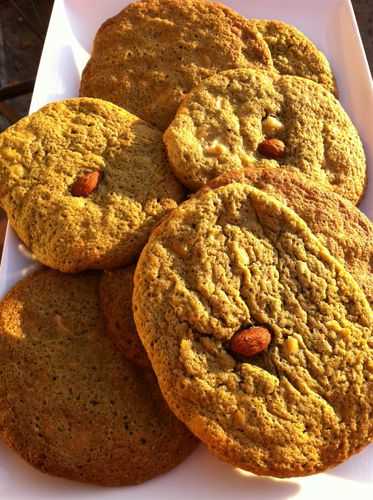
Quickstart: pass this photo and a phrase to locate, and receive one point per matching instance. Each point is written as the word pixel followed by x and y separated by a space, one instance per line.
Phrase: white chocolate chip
pixel 272 126
pixel 216 148
pixel 219 102
pixel 291 345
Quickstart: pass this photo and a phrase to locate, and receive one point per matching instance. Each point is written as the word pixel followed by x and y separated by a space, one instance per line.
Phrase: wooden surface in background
pixel 23 24
pixel 364 16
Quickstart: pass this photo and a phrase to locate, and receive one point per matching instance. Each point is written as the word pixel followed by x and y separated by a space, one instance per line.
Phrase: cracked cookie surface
pixel 116 288
pixel 222 125
pixel 70 404
pixel 42 157
pixel 232 258
pixel 294 54
pixel 153 52
pixel 341 227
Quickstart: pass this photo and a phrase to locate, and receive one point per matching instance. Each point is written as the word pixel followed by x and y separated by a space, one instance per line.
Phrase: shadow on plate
pixel 19 480
pixel 200 476
pixel 357 468
pixel 210 478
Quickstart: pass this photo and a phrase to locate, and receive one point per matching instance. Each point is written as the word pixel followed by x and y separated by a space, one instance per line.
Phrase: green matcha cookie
pixel 83 183
pixel 147 57
pixel 241 116
pixel 116 288
pixel 70 404
pixel 342 227
pixel 260 339
pixel 294 54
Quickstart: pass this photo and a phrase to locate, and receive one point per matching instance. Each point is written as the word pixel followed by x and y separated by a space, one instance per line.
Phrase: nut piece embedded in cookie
pixel 250 341
pixel 264 117
pixel 86 184
pixel 272 148
pixel 305 402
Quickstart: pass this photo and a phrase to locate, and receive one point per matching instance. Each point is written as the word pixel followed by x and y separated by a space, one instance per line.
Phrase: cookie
pixel 260 339
pixel 83 183
pixel 153 52
pixel 116 288
pixel 70 404
pixel 241 116
pixel 294 54
pixel 341 227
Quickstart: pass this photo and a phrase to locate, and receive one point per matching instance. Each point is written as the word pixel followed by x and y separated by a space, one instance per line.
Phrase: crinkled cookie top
pixel 83 183
pixel 150 55
pixel 240 116
pixel 230 259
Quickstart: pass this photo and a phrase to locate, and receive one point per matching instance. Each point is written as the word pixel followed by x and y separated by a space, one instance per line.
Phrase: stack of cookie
pixel 249 308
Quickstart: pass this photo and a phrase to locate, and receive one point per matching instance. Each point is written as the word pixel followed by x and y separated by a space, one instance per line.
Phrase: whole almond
pixel 86 184
pixel 272 148
pixel 250 341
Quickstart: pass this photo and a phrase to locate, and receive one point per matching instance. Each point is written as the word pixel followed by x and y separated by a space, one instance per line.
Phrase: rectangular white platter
pixel 331 25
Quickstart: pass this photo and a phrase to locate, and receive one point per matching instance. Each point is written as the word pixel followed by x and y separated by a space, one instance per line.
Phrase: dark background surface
pixel 23 25
pixel 364 15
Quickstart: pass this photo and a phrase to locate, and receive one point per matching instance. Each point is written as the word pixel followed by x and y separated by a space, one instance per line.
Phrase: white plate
pixel 331 25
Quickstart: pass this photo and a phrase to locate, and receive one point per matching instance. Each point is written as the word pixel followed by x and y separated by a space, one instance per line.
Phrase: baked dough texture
pixel 232 258
pixel 43 155
pixel 222 123
pixel 70 404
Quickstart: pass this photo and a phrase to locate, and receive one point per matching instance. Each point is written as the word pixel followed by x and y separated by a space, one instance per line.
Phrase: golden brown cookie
pixel 241 116
pixel 260 339
pixel 70 404
pixel 147 57
pixel 83 183
pixel 294 54
pixel 342 227
pixel 116 288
